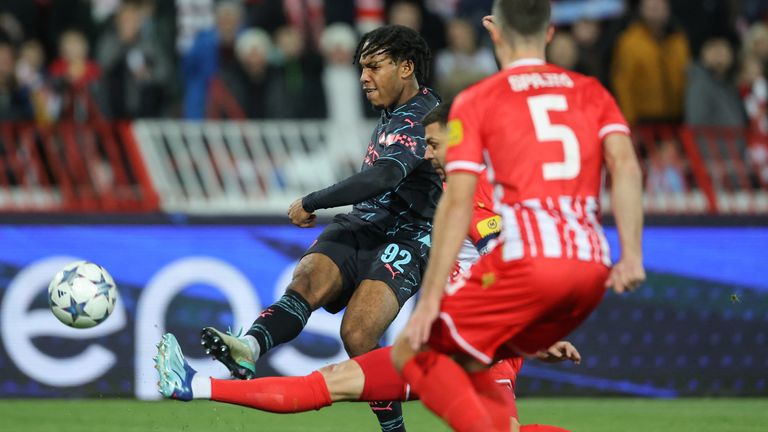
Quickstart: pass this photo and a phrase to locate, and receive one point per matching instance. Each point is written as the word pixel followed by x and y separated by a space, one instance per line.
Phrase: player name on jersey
pixel 536 80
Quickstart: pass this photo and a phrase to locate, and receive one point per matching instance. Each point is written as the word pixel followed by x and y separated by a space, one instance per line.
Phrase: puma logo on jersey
pixel 391 270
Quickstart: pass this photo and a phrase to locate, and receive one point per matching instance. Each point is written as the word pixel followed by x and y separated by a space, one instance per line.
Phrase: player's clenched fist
pixel 626 275
pixel 299 216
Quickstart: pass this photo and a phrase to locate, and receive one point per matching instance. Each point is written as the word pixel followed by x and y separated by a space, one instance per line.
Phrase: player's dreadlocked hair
pixel 400 43
pixel 439 114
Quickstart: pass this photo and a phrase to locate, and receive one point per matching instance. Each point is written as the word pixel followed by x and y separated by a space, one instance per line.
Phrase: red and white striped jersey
pixel 539 129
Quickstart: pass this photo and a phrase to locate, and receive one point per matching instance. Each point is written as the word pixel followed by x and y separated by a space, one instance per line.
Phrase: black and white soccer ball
pixel 82 294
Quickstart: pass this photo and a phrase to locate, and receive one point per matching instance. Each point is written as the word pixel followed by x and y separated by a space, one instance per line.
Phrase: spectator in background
pixel 211 50
pixel 665 171
pixel 74 76
pixel 753 87
pixel 136 70
pixel 341 79
pixel 31 77
pixel 649 66
pixel 463 62
pixel 705 19
pixel 756 44
pixel 250 82
pixel 298 77
pixel 592 50
pixel 413 14
pixel 192 17
pixel 712 98
pixel 14 104
pixel 563 51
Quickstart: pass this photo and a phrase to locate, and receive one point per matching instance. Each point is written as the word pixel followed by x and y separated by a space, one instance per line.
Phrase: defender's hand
pixel 558 352
pixel 300 217
pixel 420 325
pixel 626 275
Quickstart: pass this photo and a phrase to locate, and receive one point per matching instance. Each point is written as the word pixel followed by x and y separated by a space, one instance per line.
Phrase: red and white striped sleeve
pixel 609 116
pixel 465 147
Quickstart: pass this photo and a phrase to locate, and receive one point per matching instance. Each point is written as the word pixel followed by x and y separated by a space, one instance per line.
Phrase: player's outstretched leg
pixel 175 373
pixel 316 281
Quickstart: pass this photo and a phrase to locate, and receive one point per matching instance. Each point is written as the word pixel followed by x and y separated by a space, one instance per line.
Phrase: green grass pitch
pixel 587 415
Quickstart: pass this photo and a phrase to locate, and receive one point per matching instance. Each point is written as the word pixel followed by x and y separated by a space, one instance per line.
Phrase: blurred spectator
pixel 562 51
pixel 712 98
pixel 298 77
pixel 74 75
pixel 136 70
pixel 649 66
pixel 413 14
pixel 463 63
pixel 14 103
pixel 211 50
pixel 756 44
pixel 705 19
pixel 192 17
pixel 592 49
pixel 30 66
pixel 250 82
pixel 10 28
pixel 73 66
pixel 369 15
pixel 753 87
pixel 31 77
pixel 665 172
pixel 341 79
pixel 406 13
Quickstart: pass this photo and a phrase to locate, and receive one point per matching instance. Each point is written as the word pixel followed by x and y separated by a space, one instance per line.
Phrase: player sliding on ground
pixel 371 259
pixel 544 133
pixel 370 377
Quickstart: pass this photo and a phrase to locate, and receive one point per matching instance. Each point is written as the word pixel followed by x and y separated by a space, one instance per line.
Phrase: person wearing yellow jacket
pixel 650 59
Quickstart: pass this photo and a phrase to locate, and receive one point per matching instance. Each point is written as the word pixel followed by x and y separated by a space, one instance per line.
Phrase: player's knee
pixel 345 380
pixel 357 340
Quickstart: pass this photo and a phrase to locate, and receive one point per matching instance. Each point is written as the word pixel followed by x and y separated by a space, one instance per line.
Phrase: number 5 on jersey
pixel 540 106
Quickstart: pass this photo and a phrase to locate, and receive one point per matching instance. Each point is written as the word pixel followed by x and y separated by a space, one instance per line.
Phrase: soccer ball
pixel 82 294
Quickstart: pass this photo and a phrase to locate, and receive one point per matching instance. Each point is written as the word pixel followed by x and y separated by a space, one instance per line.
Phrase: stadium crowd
pixel 700 63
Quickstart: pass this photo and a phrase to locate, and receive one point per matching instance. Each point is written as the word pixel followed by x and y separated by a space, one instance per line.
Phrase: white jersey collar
pixel 526 62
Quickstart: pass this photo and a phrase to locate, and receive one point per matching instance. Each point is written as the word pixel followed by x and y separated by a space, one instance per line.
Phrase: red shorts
pixel 503 309
pixel 505 372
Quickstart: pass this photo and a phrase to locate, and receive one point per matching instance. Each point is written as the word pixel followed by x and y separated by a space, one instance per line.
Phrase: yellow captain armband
pixel 455 132
pixel 488 226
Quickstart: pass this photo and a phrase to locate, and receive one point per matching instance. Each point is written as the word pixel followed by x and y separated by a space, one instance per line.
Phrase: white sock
pixel 201 387
pixel 253 344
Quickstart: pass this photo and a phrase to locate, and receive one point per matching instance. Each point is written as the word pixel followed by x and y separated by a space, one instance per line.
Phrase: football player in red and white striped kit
pixel 371 376
pixel 544 134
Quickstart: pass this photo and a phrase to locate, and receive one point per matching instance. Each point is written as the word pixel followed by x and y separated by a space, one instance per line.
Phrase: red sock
pixel 499 401
pixel 382 382
pixel 446 390
pixel 541 428
pixel 274 394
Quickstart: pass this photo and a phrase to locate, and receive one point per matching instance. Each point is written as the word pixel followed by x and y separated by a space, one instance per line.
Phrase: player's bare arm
pixel 454 213
pixel 626 198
